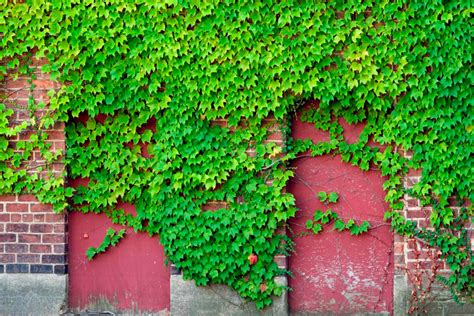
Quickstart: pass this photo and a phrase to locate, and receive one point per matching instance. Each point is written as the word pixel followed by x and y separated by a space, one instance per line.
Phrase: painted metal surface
pixel 334 272
pixel 130 277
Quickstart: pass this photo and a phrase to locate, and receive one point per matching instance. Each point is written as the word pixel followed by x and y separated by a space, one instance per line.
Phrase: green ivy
pixel 160 72
pixel 111 238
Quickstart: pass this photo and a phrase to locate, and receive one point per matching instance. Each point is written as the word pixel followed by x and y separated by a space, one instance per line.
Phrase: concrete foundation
pixel 28 294
pixel 441 304
pixel 400 295
pixel 188 299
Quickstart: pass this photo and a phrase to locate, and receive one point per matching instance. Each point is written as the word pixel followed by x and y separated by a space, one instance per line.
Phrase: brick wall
pixel 33 239
pixel 418 264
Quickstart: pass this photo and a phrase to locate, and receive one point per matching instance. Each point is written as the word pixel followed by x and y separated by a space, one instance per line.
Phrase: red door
pixel 129 277
pixel 334 272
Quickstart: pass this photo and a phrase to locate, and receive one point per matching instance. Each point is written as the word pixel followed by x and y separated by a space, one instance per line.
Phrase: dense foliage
pixel 159 72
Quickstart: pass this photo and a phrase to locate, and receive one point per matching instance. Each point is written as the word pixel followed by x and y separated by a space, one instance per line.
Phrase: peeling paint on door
pixel 334 272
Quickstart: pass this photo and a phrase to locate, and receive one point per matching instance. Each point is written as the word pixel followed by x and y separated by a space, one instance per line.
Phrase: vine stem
pixel 281 159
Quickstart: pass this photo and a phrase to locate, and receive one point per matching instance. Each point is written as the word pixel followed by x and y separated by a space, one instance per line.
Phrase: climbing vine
pixel 111 238
pixel 143 83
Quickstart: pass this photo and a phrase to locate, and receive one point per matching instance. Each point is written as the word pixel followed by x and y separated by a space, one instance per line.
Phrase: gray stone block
pixel 400 295
pixel 188 299
pixel 28 294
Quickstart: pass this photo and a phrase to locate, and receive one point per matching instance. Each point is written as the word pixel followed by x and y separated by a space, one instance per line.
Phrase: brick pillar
pixel 33 239
pixel 417 264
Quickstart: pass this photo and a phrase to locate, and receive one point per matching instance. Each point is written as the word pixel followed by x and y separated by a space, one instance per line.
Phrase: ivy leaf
pixel 322 196
pixel 364 227
pixel 333 197
pixel 350 223
pixel 318 214
pixel 339 225
pixel 317 228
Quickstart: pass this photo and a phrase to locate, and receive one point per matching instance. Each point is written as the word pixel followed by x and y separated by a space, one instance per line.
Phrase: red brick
pixel 398 248
pixel 214 206
pixel 28 258
pixel 59 228
pixel 2 228
pixel 15 218
pixel 43 84
pixel 17 207
pixel 4 217
pixel 423 254
pixel 15 84
pixel 37 156
pixel 16 248
pixel 25 135
pixel 59 145
pixel 44 208
pixel 415 214
pixel 53 259
pixel 55 135
pixel 7 198
pixel 38 218
pixel 221 123
pixel 55 218
pixel 23 115
pixel 42 96
pixel 2 207
pixel 59 126
pixel 58 167
pixel 40 248
pixel 59 248
pixel 54 238
pixel 2 248
pixel 29 238
pixel 7 258
pixel 17 228
pixel 25 218
pixel 412 244
pixel 411 181
pixel 27 198
pixel 41 228
pixel 419 265
pixel 424 223
pixel 414 173
pixel 275 136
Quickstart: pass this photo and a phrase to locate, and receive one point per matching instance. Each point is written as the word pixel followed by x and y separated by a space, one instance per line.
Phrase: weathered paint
pixel 130 277
pixel 334 272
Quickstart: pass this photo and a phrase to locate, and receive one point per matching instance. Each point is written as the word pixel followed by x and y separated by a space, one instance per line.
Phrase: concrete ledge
pixel 28 294
pixel 188 299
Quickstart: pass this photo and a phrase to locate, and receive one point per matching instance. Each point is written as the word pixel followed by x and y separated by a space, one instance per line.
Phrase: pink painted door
pixel 130 277
pixel 334 272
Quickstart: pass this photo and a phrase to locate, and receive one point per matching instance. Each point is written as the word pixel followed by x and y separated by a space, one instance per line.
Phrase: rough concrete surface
pixel 441 305
pixel 188 299
pixel 400 295
pixel 32 294
pixel 103 305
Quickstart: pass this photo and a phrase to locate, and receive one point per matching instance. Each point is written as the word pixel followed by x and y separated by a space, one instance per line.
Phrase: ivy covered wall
pixel 160 73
